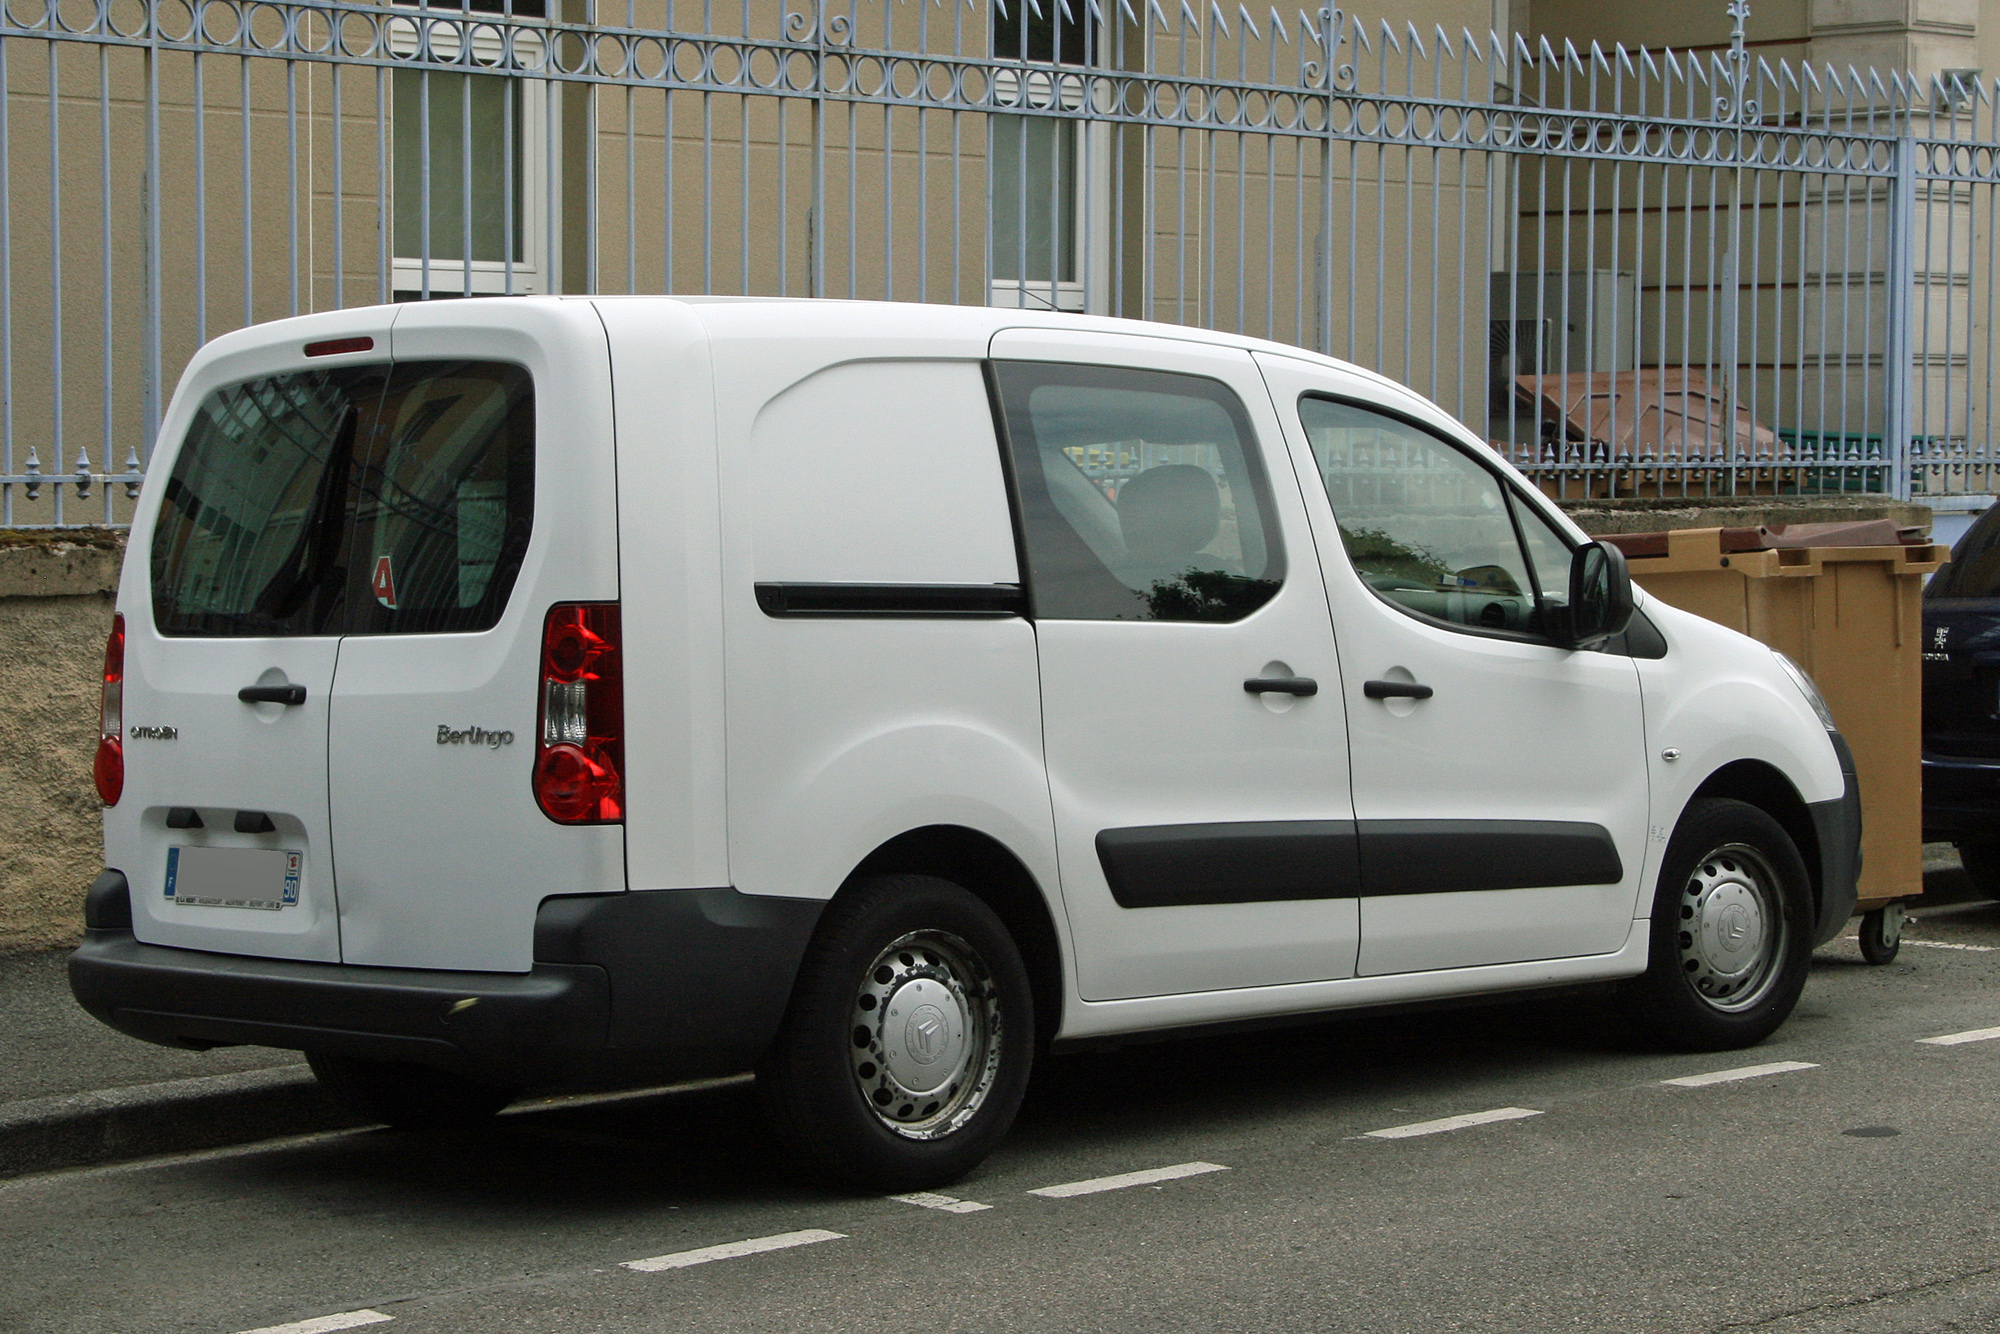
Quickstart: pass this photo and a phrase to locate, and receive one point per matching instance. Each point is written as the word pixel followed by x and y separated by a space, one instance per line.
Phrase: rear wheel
pixel 905 1052
pixel 1982 866
pixel 408 1097
pixel 1731 935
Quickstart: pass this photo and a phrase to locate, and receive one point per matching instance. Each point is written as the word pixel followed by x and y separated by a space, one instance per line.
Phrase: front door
pixel 1203 828
pixel 1500 786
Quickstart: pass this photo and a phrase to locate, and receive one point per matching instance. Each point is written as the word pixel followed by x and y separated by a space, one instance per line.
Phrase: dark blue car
pixel 1961 650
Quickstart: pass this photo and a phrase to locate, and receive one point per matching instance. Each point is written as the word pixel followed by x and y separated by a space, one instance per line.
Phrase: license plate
pixel 262 878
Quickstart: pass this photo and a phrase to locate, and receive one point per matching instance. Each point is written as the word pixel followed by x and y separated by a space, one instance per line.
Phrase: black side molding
pixel 1270 861
pixel 1175 866
pixel 1452 856
pixel 953 600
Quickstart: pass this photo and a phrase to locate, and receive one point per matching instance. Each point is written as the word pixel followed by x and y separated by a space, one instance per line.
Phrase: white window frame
pixel 537 178
pixel 1091 223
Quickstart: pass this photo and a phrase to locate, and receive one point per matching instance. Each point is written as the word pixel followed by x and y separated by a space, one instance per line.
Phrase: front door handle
pixel 292 694
pixel 1395 690
pixel 1302 686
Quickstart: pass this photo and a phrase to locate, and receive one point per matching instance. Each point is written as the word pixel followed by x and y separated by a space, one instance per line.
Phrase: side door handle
pixel 1302 686
pixel 1395 690
pixel 291 694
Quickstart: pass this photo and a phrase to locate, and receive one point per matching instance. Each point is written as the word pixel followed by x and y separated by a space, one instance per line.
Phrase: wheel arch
pixel 989 870
pixel 1763 785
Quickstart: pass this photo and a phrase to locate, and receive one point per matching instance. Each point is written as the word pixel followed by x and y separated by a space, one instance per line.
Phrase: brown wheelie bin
pixel 1842 601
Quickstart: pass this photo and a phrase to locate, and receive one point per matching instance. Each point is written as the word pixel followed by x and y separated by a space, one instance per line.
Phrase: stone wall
pixel 55 610
pixel 1651 515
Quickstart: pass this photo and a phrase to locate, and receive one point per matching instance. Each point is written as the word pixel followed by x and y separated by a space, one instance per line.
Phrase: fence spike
pixel 1249 24
pixel 1279 28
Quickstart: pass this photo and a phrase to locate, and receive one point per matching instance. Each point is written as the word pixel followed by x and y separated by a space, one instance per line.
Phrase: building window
pixel 1050 175
pixel 470 165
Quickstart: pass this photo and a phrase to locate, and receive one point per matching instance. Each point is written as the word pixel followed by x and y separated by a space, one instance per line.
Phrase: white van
pixel 540 692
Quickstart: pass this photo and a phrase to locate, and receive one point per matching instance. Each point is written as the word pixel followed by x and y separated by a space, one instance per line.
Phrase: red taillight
pixel 109 766
pixel 580 739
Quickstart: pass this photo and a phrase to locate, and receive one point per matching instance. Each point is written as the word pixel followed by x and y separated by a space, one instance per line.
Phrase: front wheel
pixel 905 1052
pixel 1731 934
pixel 1982 866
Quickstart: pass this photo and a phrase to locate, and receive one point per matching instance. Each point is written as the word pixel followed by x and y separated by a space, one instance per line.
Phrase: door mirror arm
pixel 1600 597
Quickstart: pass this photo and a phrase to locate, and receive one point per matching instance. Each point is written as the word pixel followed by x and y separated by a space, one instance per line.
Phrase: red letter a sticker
pixel 384 583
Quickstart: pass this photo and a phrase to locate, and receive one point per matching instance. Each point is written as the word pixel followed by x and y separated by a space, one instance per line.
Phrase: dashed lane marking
pixel 1741 1072
pixel 943 1203
pixel 326 1324
pixel 1445 1123
pixel 1146 1178
pixel 732 1250
pixel 1969 1035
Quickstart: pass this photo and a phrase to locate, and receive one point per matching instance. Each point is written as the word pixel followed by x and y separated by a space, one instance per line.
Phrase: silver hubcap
pixel 1732 930
pixel 926 1037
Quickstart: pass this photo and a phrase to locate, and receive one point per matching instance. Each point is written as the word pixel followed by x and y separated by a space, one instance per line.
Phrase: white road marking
pixel 732 1250
pixel 1943 945
pixel 945 1203
pixel 1741 1072
pixel 326 1324
pixel 1969 1035
pixel 1445 1123
pixel 1120 1182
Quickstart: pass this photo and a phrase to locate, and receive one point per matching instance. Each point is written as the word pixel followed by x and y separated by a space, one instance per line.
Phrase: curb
pixel 179 1116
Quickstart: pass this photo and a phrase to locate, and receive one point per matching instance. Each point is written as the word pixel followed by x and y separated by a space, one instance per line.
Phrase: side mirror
pixel 1600 595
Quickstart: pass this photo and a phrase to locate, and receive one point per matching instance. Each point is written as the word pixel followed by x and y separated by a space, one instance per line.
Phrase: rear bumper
pixel 1961 799
pixel 625 988
pixel 1838 826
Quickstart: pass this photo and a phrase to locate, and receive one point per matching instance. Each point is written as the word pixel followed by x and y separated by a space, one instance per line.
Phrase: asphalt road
pixel 1854 1194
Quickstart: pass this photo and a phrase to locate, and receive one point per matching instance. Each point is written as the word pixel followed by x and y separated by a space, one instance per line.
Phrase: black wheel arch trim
pixel 1826 833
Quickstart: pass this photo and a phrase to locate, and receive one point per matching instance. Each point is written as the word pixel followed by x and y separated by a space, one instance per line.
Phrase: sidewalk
pixel 74 1092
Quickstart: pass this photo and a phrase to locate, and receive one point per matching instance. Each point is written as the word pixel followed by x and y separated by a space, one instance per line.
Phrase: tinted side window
pixel 1425 525
pixel 1974 571
pixel 365 500
pixel 1142 495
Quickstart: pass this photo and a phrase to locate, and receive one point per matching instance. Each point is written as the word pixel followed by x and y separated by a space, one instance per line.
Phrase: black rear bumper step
pixel 625 988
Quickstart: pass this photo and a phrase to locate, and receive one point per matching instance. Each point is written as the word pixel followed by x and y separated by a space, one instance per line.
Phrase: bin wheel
pixel 1882 933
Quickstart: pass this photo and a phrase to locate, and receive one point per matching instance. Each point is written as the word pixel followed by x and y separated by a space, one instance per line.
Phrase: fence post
pixel 1899 278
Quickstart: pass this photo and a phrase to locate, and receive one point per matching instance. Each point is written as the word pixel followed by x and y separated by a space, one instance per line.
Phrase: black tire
pixel 836 1084
pixel 1882 934
pixel 1732 932
pixel 1982 866
pixel 408 1097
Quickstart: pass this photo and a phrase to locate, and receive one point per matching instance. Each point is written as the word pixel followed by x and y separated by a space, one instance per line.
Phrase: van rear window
pixel 385 499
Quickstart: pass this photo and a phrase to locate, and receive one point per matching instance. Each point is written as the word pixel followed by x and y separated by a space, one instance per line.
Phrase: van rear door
pixel 222 831
pixel 486 496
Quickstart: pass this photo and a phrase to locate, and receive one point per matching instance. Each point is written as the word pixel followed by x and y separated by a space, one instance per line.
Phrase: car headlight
pixel 1808 689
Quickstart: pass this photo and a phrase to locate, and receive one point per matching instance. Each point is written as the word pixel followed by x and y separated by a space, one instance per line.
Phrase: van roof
pixel 896 320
